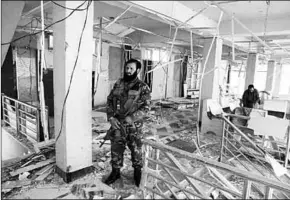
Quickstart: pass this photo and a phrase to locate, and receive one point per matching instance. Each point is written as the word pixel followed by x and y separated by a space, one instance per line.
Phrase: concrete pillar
pixel 270 75
pixel 210 85
pixel 10 14
pixel 277 80
pixel 252 63
pixel 210 82
pixel 74 146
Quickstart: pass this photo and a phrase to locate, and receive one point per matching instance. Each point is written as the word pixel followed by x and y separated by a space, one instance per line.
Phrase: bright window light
pixel 285 81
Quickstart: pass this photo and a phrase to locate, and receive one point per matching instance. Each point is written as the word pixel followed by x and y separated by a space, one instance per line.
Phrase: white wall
pixel 159 81
pixel 103 86
pixel 285 80
pixel 158 85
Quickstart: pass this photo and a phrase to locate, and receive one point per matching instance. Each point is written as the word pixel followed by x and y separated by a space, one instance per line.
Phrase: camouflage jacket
pixel 128 99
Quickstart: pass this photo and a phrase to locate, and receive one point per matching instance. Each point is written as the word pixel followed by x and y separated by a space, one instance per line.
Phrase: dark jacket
pixel 250 98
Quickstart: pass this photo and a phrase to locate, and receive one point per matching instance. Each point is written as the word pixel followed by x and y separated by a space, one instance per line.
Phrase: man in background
pixel 250 97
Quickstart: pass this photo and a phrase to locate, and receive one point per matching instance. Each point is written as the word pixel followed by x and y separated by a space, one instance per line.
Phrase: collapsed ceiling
pixel 154 23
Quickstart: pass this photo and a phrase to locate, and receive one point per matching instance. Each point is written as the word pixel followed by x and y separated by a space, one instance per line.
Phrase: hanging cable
pixel 75 9
pixel 26 25
pixel 75 64
pixel 7 43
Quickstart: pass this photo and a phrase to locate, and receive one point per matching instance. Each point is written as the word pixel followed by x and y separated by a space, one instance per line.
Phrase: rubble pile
pixel 27 171
pixel 22 177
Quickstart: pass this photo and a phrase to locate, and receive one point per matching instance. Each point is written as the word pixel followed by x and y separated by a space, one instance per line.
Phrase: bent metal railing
pixel 248 135
pixel 238 149
pixel 160 173
pixel 168 176
pixel 22 117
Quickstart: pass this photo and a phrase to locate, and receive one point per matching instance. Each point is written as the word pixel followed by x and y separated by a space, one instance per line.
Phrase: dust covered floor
pixel 174 123
pixel 176 119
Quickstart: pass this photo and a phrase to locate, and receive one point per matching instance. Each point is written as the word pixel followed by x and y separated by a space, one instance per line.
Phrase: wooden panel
pixel 32 167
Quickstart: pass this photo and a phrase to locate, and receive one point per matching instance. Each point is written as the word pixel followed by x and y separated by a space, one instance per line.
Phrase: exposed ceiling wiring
pixel 125 18
pixel 75 9
pixel 7 43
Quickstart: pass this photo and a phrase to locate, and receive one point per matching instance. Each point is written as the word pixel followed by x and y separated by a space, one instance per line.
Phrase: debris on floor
pixel 174 121
pixel 28 170
pixel 26 174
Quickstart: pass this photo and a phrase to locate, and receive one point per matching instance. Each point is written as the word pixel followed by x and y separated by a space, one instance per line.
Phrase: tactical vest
pixel 125 97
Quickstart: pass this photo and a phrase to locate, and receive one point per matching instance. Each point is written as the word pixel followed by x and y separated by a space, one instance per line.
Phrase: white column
pixel 270 75
pixel 210 85
pixel 277 79
pixel 74 146
pixel 252 63
pixel 210 82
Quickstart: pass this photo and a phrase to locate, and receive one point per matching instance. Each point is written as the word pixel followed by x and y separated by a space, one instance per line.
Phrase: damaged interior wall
pixel 25 56
pixel 8 76
pixel 103 85
pixel 25 52
pixel 26 74
pixel 112 61
pixel 110 71
pixel 173 84
pixel 153 43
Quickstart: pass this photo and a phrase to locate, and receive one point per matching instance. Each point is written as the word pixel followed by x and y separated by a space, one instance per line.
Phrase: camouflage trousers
pixel 118 145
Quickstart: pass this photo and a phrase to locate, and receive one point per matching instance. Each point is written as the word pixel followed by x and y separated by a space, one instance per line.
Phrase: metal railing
pixel 24 118
pixel 164 171
pixel 237 148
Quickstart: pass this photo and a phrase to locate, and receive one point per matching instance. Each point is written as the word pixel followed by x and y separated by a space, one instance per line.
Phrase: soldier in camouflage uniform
pixel 128 101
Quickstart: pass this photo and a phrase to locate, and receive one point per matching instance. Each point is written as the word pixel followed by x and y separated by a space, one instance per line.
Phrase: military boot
pixel 137 176
pixel 115 174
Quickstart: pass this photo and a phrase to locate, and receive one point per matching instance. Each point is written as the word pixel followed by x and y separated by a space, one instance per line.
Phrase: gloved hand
pixel 114 123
